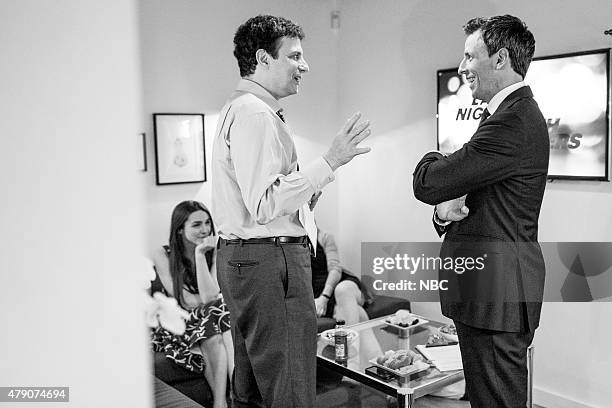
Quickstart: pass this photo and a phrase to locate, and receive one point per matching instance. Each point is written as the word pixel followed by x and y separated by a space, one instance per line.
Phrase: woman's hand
pixel 321 305
pixel 210 242
pixel 207 285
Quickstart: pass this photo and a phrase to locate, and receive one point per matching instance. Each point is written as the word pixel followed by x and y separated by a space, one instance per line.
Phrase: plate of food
pixel 401 362
pixel 449 332
pixel 328 336
pixel 403 319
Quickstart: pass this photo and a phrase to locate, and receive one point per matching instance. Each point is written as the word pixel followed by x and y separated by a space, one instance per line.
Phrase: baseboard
pixel 548 399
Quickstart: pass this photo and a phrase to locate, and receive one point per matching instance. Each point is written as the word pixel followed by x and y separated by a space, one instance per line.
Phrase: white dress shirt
pixel 501 95
pixel 256 188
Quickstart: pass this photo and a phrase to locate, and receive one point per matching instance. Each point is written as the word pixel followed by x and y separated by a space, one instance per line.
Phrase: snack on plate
pixel 449 329
pixel 403 318
pixel 449 332
pixel 436 340
pixel 398 359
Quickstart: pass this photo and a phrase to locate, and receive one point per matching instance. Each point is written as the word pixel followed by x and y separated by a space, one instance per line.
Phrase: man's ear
pixel 262 57
pixel 503 58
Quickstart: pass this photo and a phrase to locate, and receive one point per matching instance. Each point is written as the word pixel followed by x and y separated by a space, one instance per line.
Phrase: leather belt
pixel 268 240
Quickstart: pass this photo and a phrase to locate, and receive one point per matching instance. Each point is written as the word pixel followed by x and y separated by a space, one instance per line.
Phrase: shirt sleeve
pixel 330 248
pixel 270 187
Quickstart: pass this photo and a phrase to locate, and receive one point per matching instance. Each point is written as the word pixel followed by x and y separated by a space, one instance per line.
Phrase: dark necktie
pixel 280 114
pixel 484 116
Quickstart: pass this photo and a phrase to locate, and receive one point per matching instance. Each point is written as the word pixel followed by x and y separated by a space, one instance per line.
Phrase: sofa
pixel 191 384
pixel 194 385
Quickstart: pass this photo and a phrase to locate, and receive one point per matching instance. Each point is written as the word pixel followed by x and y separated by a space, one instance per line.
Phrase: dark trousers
pixel 495 366
pixel 268 290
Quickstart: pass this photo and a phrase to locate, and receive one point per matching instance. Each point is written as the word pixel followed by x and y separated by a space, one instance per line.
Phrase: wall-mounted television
pixel 573 92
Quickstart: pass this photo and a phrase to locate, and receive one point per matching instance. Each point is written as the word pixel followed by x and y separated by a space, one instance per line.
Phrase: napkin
pixel 445 358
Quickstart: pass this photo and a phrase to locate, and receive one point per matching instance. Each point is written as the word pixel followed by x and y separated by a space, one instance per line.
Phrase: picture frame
pixel 142 159
pixel 179 148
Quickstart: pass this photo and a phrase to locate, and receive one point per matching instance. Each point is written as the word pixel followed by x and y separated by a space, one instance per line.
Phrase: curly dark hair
pixel 506 32
pixel 261 32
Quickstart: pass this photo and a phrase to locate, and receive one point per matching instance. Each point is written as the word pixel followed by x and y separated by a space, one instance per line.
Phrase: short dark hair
pixel 261 32
pixel 506 32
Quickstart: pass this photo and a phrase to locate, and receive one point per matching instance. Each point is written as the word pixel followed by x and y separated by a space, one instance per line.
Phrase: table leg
pixel 530 351
pixel 405 400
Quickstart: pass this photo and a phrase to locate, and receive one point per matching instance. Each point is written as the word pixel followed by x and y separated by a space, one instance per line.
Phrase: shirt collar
pixel 501 95
pixel 252 87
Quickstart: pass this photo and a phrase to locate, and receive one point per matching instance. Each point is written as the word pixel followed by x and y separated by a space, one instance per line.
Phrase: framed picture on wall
pixel 179 148
pixel 142 159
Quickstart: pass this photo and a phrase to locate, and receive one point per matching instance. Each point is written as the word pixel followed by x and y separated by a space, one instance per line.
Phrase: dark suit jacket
pixel 503 170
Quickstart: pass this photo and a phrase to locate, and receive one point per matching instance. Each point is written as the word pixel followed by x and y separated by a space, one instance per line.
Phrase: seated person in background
pixel 338 293
pixel 186 269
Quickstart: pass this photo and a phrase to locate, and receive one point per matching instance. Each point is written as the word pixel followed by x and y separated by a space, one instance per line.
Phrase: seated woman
pixel 186 269
pixel 338 293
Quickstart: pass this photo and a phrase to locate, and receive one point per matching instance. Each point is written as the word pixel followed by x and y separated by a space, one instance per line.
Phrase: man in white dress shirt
pixel 261 199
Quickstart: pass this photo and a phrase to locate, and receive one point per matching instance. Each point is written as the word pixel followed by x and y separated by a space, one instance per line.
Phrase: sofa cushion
pixel 191 384
pixel 325 323
pixel 170 372
pixel 386 305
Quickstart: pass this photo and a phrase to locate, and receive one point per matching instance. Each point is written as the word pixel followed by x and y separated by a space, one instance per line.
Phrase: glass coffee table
pixel 376 337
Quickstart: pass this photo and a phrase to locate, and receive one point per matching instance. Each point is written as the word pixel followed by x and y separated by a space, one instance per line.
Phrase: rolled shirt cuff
pixel 319 173
pixel 438 221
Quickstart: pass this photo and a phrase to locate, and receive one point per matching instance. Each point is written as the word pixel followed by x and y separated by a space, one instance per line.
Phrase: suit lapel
pixel 521 93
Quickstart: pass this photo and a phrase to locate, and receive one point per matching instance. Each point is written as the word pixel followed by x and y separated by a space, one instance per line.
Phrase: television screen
pixel 572 91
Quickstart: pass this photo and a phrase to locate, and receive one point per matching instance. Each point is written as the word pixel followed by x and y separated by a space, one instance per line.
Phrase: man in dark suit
pixel 498 178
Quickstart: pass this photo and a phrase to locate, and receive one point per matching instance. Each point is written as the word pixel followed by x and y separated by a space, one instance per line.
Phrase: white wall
pixel 70 309
pixel 188 66
pixel 391 51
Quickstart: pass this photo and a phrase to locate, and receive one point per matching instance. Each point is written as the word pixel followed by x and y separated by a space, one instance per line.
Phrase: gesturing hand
pixel 452 210
pixel 344 146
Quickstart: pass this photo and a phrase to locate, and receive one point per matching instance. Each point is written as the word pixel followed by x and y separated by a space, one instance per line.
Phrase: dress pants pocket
pixel 242 266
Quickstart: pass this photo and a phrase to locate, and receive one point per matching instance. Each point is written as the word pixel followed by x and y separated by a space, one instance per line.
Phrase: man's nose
pixel 461 70
pixel 304 66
